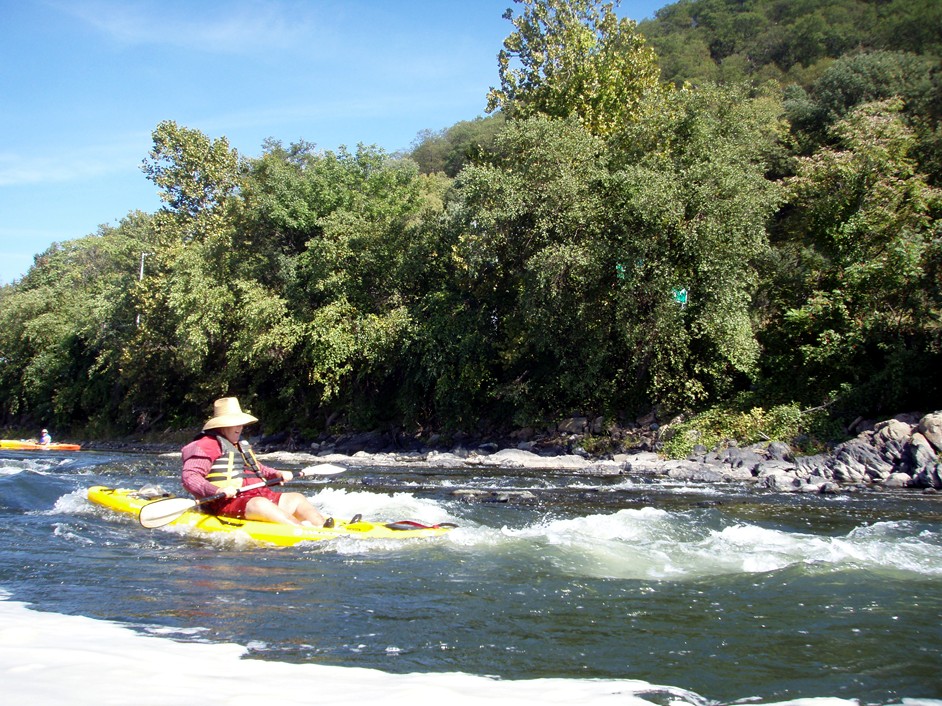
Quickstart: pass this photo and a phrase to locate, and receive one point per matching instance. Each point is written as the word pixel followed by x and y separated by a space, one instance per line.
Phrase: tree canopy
pixel 730 199
pixel 574 57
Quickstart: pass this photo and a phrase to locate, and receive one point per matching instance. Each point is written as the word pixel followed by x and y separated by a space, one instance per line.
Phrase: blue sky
pixel 85 82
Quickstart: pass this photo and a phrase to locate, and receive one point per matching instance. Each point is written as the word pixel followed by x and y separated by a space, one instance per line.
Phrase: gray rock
pixel 692 471
pixel 603 468
pixel 736 474
pixel 573 425
pixel 516 458
pixel 741 458
pixel 929 478
pixel 780 481
pixel 898 480
pixel 646 462
pixel 892 451
pixel 930 427
pixel 844 473
pixel 780 451
pixel 775 466
pixel 437 459
pixel 893 429
pixel 862 459
pixel 811 465
pixel 921 454
pixel 495 496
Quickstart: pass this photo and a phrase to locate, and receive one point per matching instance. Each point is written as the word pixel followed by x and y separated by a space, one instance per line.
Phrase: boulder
pixel 847 474
pixel 771 466
pixel 893 429
pixel 929 477
pixel 641 463
pixel 692 471
pixel 436 459
pixel 603 468
pixel 573 425
pixel 921 454
pixel 495 496
pixel 862 459
pixel 737 474
pixel 813 465
pixel 780 451
pixel 517 458
pixel 741 458
pixel 930 427
pixel 898 480
pixel 780 481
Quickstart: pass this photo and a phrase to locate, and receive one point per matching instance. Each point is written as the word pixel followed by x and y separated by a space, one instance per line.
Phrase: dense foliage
pixel 762 218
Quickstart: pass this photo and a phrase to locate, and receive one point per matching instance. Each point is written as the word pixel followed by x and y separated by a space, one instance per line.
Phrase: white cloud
pixel 16 169
pixel 69 165
pixel 230 27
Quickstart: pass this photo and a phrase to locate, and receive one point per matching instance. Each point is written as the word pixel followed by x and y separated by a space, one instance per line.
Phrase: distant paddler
pixel 218 460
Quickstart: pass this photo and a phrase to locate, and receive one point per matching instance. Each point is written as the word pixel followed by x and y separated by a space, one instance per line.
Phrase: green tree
pixel 690 204
pixel 576 57
pixel 864 77
pixel 195 175
pixel 865 309
pixel 64 327
pixel 448 151
pixel 576 251
pixel 529 225
pixel 357 223
pixel 199 297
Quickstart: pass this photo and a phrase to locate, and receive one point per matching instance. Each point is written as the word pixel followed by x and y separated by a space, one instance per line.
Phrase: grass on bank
pixel 742 425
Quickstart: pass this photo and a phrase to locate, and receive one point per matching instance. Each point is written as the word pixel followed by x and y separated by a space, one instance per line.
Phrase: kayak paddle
pixel 163 512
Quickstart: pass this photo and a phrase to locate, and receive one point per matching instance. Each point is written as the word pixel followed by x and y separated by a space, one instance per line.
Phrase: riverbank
pixel 902 452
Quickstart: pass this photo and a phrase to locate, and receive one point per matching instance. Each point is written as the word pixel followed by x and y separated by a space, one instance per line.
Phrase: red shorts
pixel 235 507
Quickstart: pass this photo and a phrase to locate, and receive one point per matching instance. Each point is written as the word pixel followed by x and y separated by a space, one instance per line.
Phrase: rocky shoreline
pixel 902 452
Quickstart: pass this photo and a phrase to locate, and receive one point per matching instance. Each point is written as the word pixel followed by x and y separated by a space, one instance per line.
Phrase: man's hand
pixel 286 476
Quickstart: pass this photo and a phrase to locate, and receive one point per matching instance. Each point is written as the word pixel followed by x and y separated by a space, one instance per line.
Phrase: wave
pixel 656 544
pixel 642 544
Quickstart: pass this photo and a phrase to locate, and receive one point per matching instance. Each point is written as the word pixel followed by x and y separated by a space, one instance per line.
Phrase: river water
pixel 724 591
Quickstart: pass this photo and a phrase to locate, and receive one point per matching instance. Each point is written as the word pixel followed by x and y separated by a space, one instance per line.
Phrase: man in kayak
pixel 44 438
pixel 217 460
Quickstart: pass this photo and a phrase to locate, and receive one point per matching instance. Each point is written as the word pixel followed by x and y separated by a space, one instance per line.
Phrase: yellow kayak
pixel 33 446
pixel 131 501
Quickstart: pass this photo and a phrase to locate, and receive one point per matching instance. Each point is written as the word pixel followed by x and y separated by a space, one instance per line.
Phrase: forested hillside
pixel 731 206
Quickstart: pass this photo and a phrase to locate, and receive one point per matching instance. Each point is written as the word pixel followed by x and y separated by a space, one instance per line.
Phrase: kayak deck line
pixel 130 501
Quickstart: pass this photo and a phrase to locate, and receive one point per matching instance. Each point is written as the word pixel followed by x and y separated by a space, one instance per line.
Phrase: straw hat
pixel 227 413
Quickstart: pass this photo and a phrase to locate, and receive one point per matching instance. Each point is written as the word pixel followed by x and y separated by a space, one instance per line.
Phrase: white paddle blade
pixel 322 469
pixel 163 512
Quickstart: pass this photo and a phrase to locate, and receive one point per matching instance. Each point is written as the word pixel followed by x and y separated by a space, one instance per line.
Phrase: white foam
pixel 379 507
pixel 655 544
pixel 47 658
